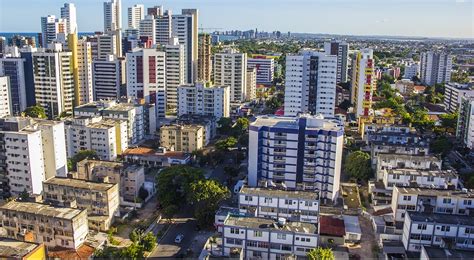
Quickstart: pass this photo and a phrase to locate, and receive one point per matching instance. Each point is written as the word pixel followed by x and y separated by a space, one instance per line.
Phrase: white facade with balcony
pixel 199 99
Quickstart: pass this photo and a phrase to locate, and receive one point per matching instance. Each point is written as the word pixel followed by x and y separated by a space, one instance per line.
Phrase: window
pixel 281 236
pixel 257 254
pixel 257 233
pixel 288 202
pixel 446 200
pixel 421 226
pixel 285 247
pixel 469 231
pixel 445 228
pixel 405 197
pixel 248 198
pixel 467 202
pixel 234 231
pixel 268 200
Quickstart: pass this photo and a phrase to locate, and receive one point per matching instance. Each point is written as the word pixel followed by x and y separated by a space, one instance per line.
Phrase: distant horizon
pixel 310 33
pixel 452 19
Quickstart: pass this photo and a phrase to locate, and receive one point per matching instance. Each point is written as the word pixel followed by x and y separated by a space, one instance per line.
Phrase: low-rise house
pixel 101 200
pixel 352 228
pixel 435 229
pixel 268 239
pixel 331 231
pixel 439 179
pixel 53 226
pixel 148 157
pixel 129 177
pixel 24 250
pixel 448 202
pixel 276 203
pixel 403 161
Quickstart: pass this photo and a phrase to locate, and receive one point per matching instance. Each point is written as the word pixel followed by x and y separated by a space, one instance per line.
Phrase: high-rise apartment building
pixel 84 70
pixel 108 78
pixel 14 69
pixel 54 81
pixel 112 15
pixel 106 46
pixel 184 27
pixel 136 13
pixel 465 124
pixel 251 84
pixel 341 50
pixel 68 12
pixel 265 68
pixel 175 65
pixel 310 84
pixel 230 69
pixel 199 99
pixel 148 28
pixel 204 57
pixel 303 152
pixel 435 67
pixel 52 30
pixel 363 82
pixel 163 25
pixel 5 97
pixel 146 77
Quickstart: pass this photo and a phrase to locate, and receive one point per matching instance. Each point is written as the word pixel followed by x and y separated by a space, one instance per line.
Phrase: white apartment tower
pixel 303 152
pixel 148 27
pixel 84 67
pixel 162 26
pixel 184 27
pixel 363 82
pixel 112 15
pixel 136 13
pixel 230 69
pixel 52 30
pixel 199 99
pixel 107 45
pixel 146 77
pixel 175 65
pixel 435 67
pixel 251 84
pixel 265 68
pixel 68 12
pixel 5 100
pixel 53 80
pixel 310 85
pixel 341 50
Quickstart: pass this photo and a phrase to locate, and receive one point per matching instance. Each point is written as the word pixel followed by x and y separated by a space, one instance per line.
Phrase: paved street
pixel 167 247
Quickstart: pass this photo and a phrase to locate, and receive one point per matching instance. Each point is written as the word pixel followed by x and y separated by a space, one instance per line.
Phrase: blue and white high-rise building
pixel 303 152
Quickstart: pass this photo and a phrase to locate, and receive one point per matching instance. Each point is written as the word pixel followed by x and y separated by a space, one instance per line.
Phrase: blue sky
pixel 434 18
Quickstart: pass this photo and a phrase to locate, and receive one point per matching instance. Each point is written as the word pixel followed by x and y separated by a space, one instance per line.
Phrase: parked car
pixel 179 238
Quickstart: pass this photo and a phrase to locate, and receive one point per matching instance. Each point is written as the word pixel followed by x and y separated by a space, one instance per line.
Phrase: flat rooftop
pixel 407 157
pixel 41 209
pixel 441 218
pixel 435 173
pixel 144 151
pixel 435 192
pixel 81 184
pixel 269 224
pixel 103 163
pixel 276 193
pixel 445 253
pixel 313 122
pixel 10 248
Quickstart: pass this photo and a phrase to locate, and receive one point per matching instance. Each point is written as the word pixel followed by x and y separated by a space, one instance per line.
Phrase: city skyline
pixel 439 18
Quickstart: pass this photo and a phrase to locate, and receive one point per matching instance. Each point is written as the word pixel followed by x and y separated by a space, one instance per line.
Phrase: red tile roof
pixel 330 226
pixel 84 252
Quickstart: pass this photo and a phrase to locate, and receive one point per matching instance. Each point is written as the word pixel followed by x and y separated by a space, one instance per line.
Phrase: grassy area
pixel 351 197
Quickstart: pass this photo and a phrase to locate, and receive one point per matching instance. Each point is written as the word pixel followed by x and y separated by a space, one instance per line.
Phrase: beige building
pixel 204 57
pixel 182 138
pixel 251 84
pixel 53 226
pixel 100 199
pixel 129 177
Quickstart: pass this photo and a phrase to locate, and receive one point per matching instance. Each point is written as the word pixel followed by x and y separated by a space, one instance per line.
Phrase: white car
pixel 179 238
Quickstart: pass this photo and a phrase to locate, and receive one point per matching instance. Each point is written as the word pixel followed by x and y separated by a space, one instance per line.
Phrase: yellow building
pixel 363 82
pixel 182 138
pixel 15 249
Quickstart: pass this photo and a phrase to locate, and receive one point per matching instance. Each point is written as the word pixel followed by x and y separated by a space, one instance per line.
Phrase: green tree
pixel 81 155
pixel 148 241
pixel 35 112
pixel 134 236
pixel 224 126
pixel 241 126
pixel 134 251
pixel 320 253
pixel 226 144
pixel 449 122
pixel 206 196
pixel 460 76
pixel 169 212
pixel 441 145
pixel 357 165
pixel 173 183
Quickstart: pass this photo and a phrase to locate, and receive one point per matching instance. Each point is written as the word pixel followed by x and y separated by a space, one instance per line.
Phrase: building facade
pixel 230 69
pixel 136 13
pixel 302 152
pixel 14 69
pixel 265 68
pixel 185 138
pixel 204 57
pixel 5 97
pixel 435 67
pixel 108 78
pixel 453 93
pixel 310 85
pixel 175 76
pixel 341 50
pixel 363 82
pixel 199 99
